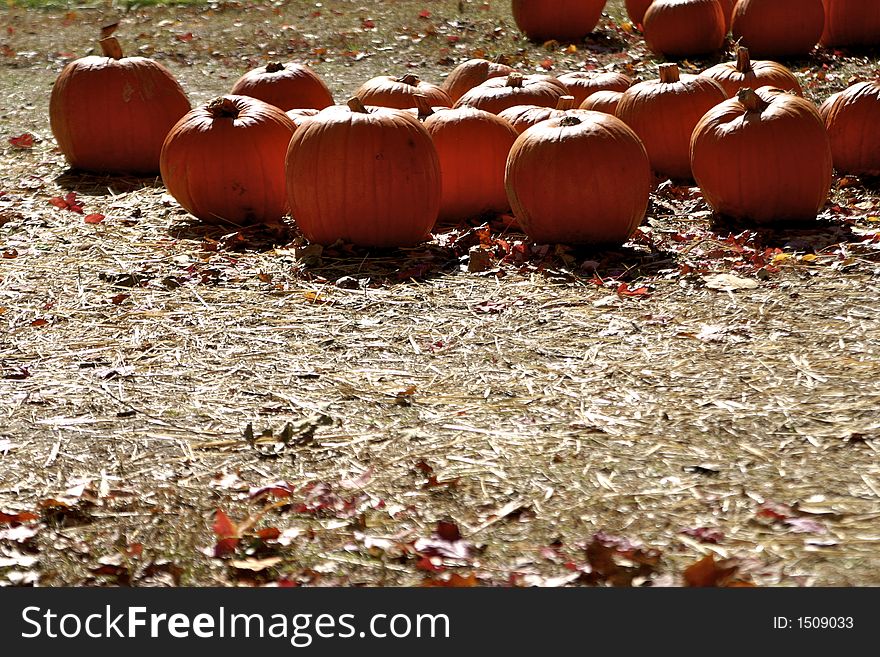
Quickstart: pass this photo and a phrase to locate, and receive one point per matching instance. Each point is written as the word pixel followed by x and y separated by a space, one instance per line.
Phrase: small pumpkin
pixel 852 119
pixel 764 157
pixel 400 92
pixel 851 23
pixel 778 28
pixel 684 28
pixel 733 76
pixel 470 73
pixel 603 101
pixel 497 94
pixel 287 86
pixel 663 114
pixel 581 179
pixel 110 114
pixel 370 177
pixel 559 20
pixel 224 161
pixel 581 84
pixel 523 117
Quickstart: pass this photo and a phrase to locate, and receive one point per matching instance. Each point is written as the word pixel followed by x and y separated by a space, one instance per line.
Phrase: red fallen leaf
pixel 618 561
pixel 9 254
pixel 280 489
pixel 454 581
pixel 119 298
pixel 448 531
pixel 268 534
pixel 135 549
pixel 424 13
pixel 775 511
pixel 446 542
pixel 624 290
pixel 704 534
pixel 320 497
pixel 427 563
pixel 225 547
pixel 547 64
pixel 186 37
pixel 17 373
pixel 368 24
pixel 24 140
pixel 708 573
pixel 39 322
pixel 94 218
pixel 67 203
pixel 223 526
pixel 17 518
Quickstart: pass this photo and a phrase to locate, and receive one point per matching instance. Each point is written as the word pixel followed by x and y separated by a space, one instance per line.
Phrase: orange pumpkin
pixel 603 101
pixel 469 74
pixel 366 176
pixel 684 28
pixel 852 119
pixel 523 117
pixel 733 76
pixel 636 9
pixel 497 94
pixel 580 179
pixel 111 114
pixel 763 156
pixel 287 86
pixel 559 20
pixel 851 23
pixel 778 28
pixel 298 115
pixel 663 114
pixel 224 161
pixel 399 93
pixel 581 84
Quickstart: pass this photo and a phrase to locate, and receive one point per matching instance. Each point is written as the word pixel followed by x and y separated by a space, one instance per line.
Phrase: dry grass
pixel 155 370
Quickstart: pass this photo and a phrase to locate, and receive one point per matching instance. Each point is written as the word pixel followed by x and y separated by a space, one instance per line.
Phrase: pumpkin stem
pixel 565 103
pixel 515 80
pixel 110 48
pixel 751 100
pixel 410 79
pixel 743 61
pixel 423 106
pixel 355 105
pixel 223 108
pixel 568 121
pixel 669 73
pixel 274 67
pixel 107 29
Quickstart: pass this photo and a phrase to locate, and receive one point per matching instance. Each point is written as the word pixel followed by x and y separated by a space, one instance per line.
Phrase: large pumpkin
pixel 602 101
pixel 224 161
pixel 778 28
pixel 851 23
pixel 580 179
pixel 110 114
pixel 523 117
pixel 287 86
pixel 852 119
pixel 370 177
pixel 559 20
pixel 400 92
pixel 764 157
pixel 470 73
pixel 663 114
pixel 472 146
pixel 497 94
pixel 733 76
pixel 684 28
pixel 636 9
pixel 581 84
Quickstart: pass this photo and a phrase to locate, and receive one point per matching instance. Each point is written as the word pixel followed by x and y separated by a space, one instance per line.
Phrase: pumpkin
pixel 370 177
pixel 603 101
pixel 298 115
pixel 733 76
pixel 727 7
pixel 852 119
pixel 497 94
pixel 851 23
pixel 472 147
pixel 523 117
pixel 287 86
pixel 663 114
pixel 778 28
pixel 581 179
pixel 110 113
pixel 399 93
pixel 469 74
pixel 224 161
pixel 559 20
pixel 763 156
pixel 581 84
pixel 636 9
pixel 684 28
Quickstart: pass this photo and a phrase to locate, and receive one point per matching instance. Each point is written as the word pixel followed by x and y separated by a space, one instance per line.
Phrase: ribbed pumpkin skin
pixel 851 23
pixel 769 166
pixel 523 117
pixel 583 84
pixel 371 179
pixel 229 170
pixel 727 7
pixel 399 93
pixel 663 115
pixel 579 184
pixel 562 20
pixel 472 146
pixel 471 73
pixel 778 28
pixel 636 9
pixel 603 101
pixel 684 28
pixel 287 86
pixel 497 94
pixel 299 115
pixel 744 72
pixel 112 115
pixel 852 119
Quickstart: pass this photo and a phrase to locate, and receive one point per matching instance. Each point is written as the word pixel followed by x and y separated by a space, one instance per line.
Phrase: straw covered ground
pixel 205 406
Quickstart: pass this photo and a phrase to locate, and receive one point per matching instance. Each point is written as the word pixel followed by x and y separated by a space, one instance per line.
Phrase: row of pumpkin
pixel 686 28
pixel 382 169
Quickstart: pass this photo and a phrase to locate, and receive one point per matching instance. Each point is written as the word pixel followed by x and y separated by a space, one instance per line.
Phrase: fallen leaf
pixel 24 141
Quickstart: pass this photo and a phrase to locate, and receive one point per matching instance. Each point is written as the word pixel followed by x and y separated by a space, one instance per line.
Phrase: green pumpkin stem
pixel 669 73
pixel 355 105
pixel 751 100
pixel 223 108
pixel 743 61
pixel 110 48
pixel 274 67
